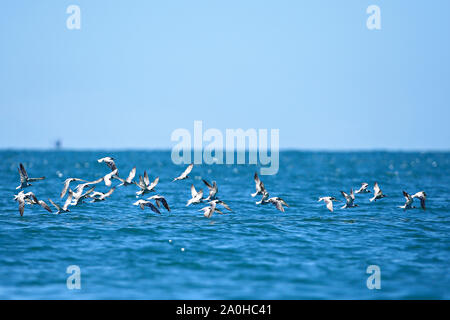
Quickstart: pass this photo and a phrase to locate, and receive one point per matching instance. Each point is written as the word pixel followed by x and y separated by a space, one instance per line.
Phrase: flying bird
pixel 145 185
pixel 329 202
pixel 276 201
pixel 66 185
pixel 79 196
pixel 24 179
pixel 408 201
pixel 196 196
pixel 29 198
pixel 184 175
pixel 109 162
pixel 422 196
pixel 260 189
pixel 158 200
pixel 212 190
pixel 129 180
pixel 377 194
pixel 363 188
pixel 144 203
pixel 208 211
pixel 223 204
pixel 349 200
pixel 100 196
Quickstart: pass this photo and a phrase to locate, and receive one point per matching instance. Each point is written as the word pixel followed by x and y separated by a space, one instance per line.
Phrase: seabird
pixel 260 189
pixel 363 188
pixel 128 181
pixel 145 186
pixel 208 211
pixel 196 196
pixel 109 162
pixel 329 202
pixel 184 175
pixel 79 196
pixel 223 204
pixel 24 179
pixel 65 208
pixel 422 196
pixel 66 185
pixel 349 200
pixel 377 194
pixel 276 201
pixel 144 203
pixel 100 196
pixel 409 201
pixel 212 190
pixel 29 198
pixel 158 200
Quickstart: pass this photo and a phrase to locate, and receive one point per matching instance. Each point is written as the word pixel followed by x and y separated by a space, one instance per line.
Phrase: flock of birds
pixel 79 195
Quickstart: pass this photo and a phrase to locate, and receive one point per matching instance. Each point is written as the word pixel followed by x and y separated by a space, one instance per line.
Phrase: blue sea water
pixel 255 252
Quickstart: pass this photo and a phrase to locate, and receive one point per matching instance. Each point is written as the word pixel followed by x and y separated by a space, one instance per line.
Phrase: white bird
pixel 100 196
pixel 264 198
pixel 363 188
pixel 184 175
pixel 196 196
pixel 145 185
pixel 29 198
pixel 107 178
pixel 66 185
pixel 65 208
pixel 79 196
pixel 109 162
pixel 422 196
pixel 212 190
pixel 24 179
pixel 223 204
pixel 208 211
pixel 158 200
pixel 329 202
pixel 276 201
pixel 260 189
pixel 144 203
pixel 377 194
pixel 409 201
pixel 349 200
pixel 129 180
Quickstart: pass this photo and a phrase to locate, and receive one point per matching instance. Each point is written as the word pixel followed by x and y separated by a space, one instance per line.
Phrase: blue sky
pixel 138 70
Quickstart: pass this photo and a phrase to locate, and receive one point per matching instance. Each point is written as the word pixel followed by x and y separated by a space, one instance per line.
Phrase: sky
pixel 138 70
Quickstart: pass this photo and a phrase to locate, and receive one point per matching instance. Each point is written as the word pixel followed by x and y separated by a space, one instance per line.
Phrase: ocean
pixel 253 252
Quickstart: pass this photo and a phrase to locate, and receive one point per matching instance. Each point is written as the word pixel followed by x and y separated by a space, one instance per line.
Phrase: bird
pixel 212 190
pixel 409 201
pixel 196 196
pixel 422 196
pixel 329 202
pixel 276 201
pixel 65 207
pixel 145 185
pixel 100 196
pixel 223 204
pixel 377 194
pixel 24 179
pixel 260 189
pixel 363 188
pixel 158 200
pixel 109 162
pixel 66 185
pixel 144 203
pixel 107 178
pixel 79 196
pixel 184 175
pixel 28 198
pixel 129 180
pixel 209 210
pixel 349 200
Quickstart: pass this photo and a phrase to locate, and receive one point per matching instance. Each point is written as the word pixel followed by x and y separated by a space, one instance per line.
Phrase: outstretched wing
pixel 131 175
pixel 188 170
pixel 151 206
pixel 44 205
pixel 165 204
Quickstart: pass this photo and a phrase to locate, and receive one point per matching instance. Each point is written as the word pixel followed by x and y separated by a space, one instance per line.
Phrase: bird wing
pixel 223 204
pixel 146 179
pixel 151 206
pixel 352 195
pixel 107 177
pixel 131 175
pixel 154 183
pixel 207 184
pixel 329 204
pixel 21 207
pixel 165 204
pixel 193 191
pixel 44 205
pixel 188 170
pixel 277 204
pixel 68 200
pixel 109 192
pixel 376 188
pixel 55 205
pixel 346 196
pixel 64 190
pixel 23 173
pixel 36 179
pixel 422 202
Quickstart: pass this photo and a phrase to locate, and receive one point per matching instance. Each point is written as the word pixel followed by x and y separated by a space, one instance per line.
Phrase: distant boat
pixel 58 144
